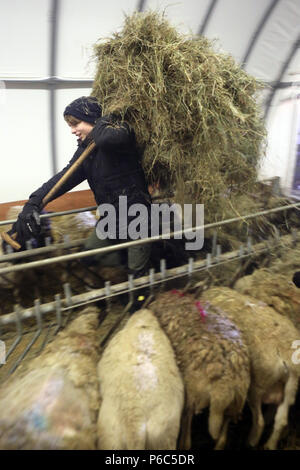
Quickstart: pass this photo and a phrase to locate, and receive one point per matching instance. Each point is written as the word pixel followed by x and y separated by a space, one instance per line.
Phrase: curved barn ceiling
pixel 44 39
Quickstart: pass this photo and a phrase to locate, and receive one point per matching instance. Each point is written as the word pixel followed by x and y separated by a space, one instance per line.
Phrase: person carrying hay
pixel 113 169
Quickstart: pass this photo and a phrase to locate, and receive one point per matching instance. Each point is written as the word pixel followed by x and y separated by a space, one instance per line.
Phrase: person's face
pixel 81 129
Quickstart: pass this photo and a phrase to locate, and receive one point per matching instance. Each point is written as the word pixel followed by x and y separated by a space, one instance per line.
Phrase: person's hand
pixel 28 224
pixel 97 131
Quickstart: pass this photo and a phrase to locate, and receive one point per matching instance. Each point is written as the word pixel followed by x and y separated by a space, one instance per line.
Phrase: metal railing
pixel 52 316
pixel 61 307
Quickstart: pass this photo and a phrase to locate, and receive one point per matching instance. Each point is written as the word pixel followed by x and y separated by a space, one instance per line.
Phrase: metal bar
pixel 52 112
pixel 141 5
pixel 33 340
pixel 207 17
pixel 46 83
pixel 39 251
pixel 122 246
pixel 52 70
pixel 49 215
pixel 68 302
pixel 130 289
pixel 65 83
pixel 58 313
pixel 258 31
pixel 285 65
pixel 58 82
pixel 117 289
pixel 15 319
pixel 214 244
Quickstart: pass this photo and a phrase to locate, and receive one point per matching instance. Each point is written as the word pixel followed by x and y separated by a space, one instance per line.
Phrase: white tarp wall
pixel 282 127
pixel 46 62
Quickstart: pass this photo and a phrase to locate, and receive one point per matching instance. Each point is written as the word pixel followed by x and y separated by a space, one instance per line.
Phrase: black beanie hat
pixel 85 108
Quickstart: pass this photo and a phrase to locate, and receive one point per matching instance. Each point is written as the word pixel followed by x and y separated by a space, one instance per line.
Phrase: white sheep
pixel 52 401
pixel 213 360
pixel 270 338
pixel 274 289
pixel 141 388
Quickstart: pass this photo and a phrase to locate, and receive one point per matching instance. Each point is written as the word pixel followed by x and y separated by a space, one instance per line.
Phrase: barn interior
pixel 211 90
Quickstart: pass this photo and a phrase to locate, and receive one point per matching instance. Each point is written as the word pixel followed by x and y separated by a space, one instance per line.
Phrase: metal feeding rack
pixel 44 320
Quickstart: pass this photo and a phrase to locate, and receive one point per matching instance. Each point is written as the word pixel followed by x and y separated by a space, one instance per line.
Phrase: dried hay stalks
pixel 193 110
pixel 232 235
pixel 288 262
pixel 75 226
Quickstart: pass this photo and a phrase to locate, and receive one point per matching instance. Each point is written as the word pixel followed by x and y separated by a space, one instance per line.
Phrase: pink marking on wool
pixel 203 313
pixel 175 291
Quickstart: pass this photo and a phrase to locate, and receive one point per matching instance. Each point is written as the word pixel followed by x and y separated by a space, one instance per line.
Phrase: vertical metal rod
pixel 249 244
pixel 190 272
pixel 58 313
pixel 68 294
pixel 69 301
pixel 52 73
pixel 151 293
pixel 67 240
pixel 131 294
pixel 219 252
pixel 207 17
pixel 258 31
pixel 162 275
pixel 108 298
pixel 294 237
pixel 141 5
pixel 37 310
pixel 19 332
pixel 48 241
pixel 208 260
pixel 214 244
pixel 28 244
pixel 283 69
pixel 8 249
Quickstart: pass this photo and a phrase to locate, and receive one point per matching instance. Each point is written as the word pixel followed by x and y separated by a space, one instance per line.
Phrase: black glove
pixel 26 227
pixel 28 224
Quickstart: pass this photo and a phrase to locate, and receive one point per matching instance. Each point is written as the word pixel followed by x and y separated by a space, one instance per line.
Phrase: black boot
pixel 140 299
pixel 140 296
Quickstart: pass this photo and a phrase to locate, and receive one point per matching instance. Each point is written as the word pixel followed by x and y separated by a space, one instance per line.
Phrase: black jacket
pixel 112 169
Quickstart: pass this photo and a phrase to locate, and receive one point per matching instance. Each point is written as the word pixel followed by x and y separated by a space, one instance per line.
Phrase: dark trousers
pixel 138 256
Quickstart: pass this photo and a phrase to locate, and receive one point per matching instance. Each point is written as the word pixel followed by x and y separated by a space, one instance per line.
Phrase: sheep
pixel 213 360
pixel 75 226
pixel 141 388
pixel 275 290
pixel 52 401
pixel 270 338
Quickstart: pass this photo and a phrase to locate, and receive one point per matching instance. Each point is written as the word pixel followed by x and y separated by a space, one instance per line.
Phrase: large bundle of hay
pixel 193 110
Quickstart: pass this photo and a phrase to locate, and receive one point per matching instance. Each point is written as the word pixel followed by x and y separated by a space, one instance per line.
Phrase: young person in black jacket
pixel 113 169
